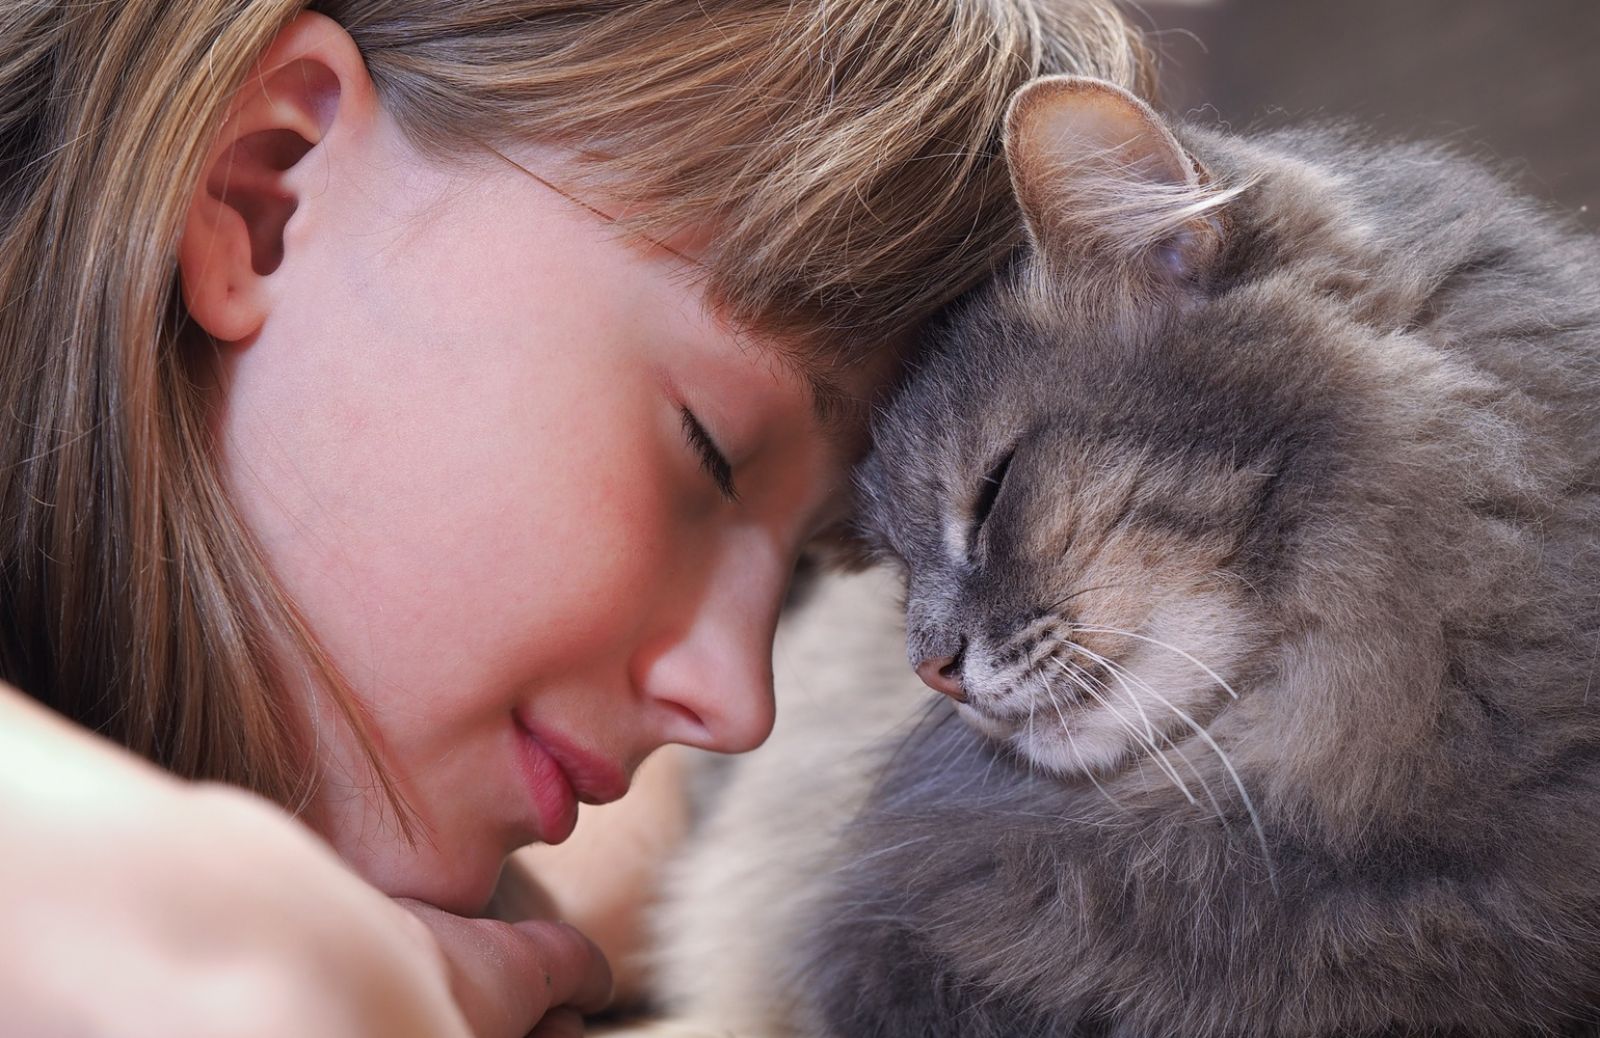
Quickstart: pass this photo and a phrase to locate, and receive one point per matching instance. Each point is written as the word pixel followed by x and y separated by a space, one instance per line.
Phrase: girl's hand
pixel 507 977
pixel 137 905
pixel 607 877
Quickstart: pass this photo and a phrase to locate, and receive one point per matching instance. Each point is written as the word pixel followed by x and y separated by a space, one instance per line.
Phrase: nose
pixel 712 685
pixel 943 674
pixel 710 677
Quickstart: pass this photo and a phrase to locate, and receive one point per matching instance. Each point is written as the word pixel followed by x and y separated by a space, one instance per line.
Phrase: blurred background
pixel 1514 83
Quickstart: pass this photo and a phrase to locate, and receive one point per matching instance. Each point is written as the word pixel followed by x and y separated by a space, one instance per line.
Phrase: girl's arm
pixel 134 904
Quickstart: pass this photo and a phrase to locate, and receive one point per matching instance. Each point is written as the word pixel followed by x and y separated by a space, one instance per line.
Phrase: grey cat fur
pixel 1348 458
pixel 1322 420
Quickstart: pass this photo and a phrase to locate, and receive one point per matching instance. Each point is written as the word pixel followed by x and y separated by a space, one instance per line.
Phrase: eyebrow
pixel 835 410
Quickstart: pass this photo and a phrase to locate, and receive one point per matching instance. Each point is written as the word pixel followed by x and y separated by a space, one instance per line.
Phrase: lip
pixel 592 778
pixel 554 799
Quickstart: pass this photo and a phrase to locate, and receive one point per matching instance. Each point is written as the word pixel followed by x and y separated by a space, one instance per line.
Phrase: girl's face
pixel 482 441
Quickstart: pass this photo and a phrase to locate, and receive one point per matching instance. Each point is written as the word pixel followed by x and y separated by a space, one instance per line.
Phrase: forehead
pixel 840 393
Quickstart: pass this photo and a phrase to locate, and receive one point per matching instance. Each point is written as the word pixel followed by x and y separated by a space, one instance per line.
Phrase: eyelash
pixel 712 459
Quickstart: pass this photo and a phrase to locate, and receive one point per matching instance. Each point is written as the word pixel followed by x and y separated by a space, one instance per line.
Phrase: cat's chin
pixel 1091 745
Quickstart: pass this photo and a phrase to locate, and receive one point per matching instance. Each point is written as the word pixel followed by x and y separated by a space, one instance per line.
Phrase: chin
pixel 458 880
pixel 1081 742
pixel 1091 746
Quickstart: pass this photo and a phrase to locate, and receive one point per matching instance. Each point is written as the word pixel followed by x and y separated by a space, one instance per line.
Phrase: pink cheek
pixel 619 574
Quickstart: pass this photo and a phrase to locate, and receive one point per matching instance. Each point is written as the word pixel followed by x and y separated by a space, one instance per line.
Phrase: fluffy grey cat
pixel 1253 519
pixel 1252 523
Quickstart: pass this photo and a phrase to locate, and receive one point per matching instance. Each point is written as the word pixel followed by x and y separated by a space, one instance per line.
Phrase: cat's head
pixel 1098 472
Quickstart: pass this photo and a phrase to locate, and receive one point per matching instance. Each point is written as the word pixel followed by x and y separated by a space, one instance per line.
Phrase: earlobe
pixel 310 87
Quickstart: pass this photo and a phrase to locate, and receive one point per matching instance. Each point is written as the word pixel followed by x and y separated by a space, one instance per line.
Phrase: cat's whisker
pixel 1015 675
pixel 1205 787
pixel 1042 651
pixel 1084 682
pixel 1153 752
pixel 1124 676
pixel 1081 591
pixel 1213 675
pixel 1227 764
pixel 1031 629
pixel 1033 706
pixel 1149 726
pixel 1121 675
pixel 1038 651
pixel 1028 658
pixel 1025 643
pixel 1086 772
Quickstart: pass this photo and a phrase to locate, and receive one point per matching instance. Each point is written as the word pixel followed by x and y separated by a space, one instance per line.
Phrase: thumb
pixel 560 1023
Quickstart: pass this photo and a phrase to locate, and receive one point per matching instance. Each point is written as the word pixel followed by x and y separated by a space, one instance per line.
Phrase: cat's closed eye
pixel 989 492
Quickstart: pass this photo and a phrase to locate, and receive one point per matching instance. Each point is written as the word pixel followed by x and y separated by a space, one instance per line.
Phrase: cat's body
pixel 1257 521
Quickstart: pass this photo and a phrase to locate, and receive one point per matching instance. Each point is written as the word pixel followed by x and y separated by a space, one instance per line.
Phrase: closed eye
pixel 712 460
pixel 989 491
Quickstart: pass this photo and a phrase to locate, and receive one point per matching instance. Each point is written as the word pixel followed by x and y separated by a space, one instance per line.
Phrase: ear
pixel 309 85
pixel 1100 177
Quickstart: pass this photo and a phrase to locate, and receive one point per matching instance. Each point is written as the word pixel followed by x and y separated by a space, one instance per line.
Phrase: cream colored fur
pixel 738 902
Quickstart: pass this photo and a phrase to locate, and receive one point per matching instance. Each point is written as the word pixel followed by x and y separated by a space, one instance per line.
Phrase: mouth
pixel 1031 705
pixel 997 729
pixel 555 801
pixel 584 776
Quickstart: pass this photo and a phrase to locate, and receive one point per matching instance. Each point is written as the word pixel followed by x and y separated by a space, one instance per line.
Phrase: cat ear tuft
pixel 1099 176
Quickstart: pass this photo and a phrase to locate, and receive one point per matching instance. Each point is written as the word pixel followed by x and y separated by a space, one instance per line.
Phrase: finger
pixel 560 1023
pixel 506 977
pixel 581 975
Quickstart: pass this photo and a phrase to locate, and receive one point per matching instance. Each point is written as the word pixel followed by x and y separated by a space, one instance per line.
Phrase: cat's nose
pixel 943 674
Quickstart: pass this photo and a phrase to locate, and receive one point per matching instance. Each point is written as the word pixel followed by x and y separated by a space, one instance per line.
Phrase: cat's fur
pixel 1259 507
pixel 744 898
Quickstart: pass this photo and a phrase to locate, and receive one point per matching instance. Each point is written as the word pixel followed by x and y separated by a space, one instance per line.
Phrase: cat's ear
pixel 1100 177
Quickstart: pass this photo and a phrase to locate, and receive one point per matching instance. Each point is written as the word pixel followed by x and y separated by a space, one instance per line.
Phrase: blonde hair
pixel 845 152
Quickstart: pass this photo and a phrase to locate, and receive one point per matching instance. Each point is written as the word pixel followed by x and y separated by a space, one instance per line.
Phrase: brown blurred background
pixel 1517 84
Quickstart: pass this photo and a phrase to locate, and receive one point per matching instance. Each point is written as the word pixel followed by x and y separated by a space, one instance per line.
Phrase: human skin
pixel 606 879
pixel 453 416
pixel 138 905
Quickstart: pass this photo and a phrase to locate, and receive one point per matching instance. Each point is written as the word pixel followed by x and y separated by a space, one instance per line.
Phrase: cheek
pixel 554 556
pixel 453 546
pixel 1123 578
